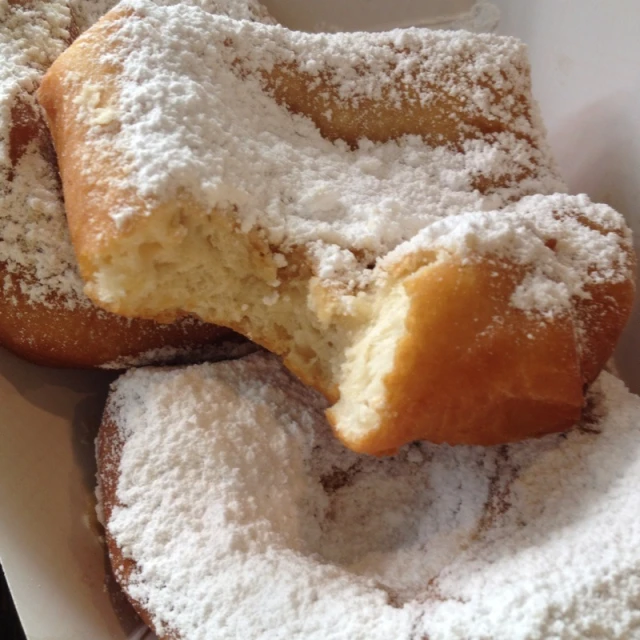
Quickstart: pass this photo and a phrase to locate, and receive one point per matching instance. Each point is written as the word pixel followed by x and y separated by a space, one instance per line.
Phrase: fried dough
pixel 381 210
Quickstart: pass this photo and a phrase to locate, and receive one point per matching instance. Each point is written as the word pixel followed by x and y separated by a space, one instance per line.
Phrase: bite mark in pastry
pixel 380 209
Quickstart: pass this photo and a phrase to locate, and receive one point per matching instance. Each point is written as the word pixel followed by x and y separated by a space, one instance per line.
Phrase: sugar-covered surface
pixel 246 518
pixel 34 239
pixel 194 115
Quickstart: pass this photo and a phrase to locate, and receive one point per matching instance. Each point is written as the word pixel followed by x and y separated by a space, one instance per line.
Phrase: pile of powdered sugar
pixel 546 232
pixel 185 126
pixel 246 518
pixel 201 121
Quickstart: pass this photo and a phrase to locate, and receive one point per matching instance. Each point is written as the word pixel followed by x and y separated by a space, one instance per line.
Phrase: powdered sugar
pixel 34 240
pixel 247 519
pixel 206 122
pixel 546 232
pixel 276 168
pixel 35 247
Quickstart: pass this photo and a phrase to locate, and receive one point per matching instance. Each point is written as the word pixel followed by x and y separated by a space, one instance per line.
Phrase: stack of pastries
pixel 382 213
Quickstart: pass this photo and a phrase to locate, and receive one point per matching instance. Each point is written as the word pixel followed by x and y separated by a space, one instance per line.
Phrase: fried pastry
pixel 232 512
pixel 380 209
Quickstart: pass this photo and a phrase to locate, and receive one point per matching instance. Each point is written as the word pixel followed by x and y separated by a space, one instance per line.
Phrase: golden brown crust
pixel 65 135
pixel 602 318
pixel 86 337
pixel 507 376
pixel 385 119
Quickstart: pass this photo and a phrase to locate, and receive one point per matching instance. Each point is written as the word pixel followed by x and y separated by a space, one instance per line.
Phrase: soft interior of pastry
pixel 346 351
